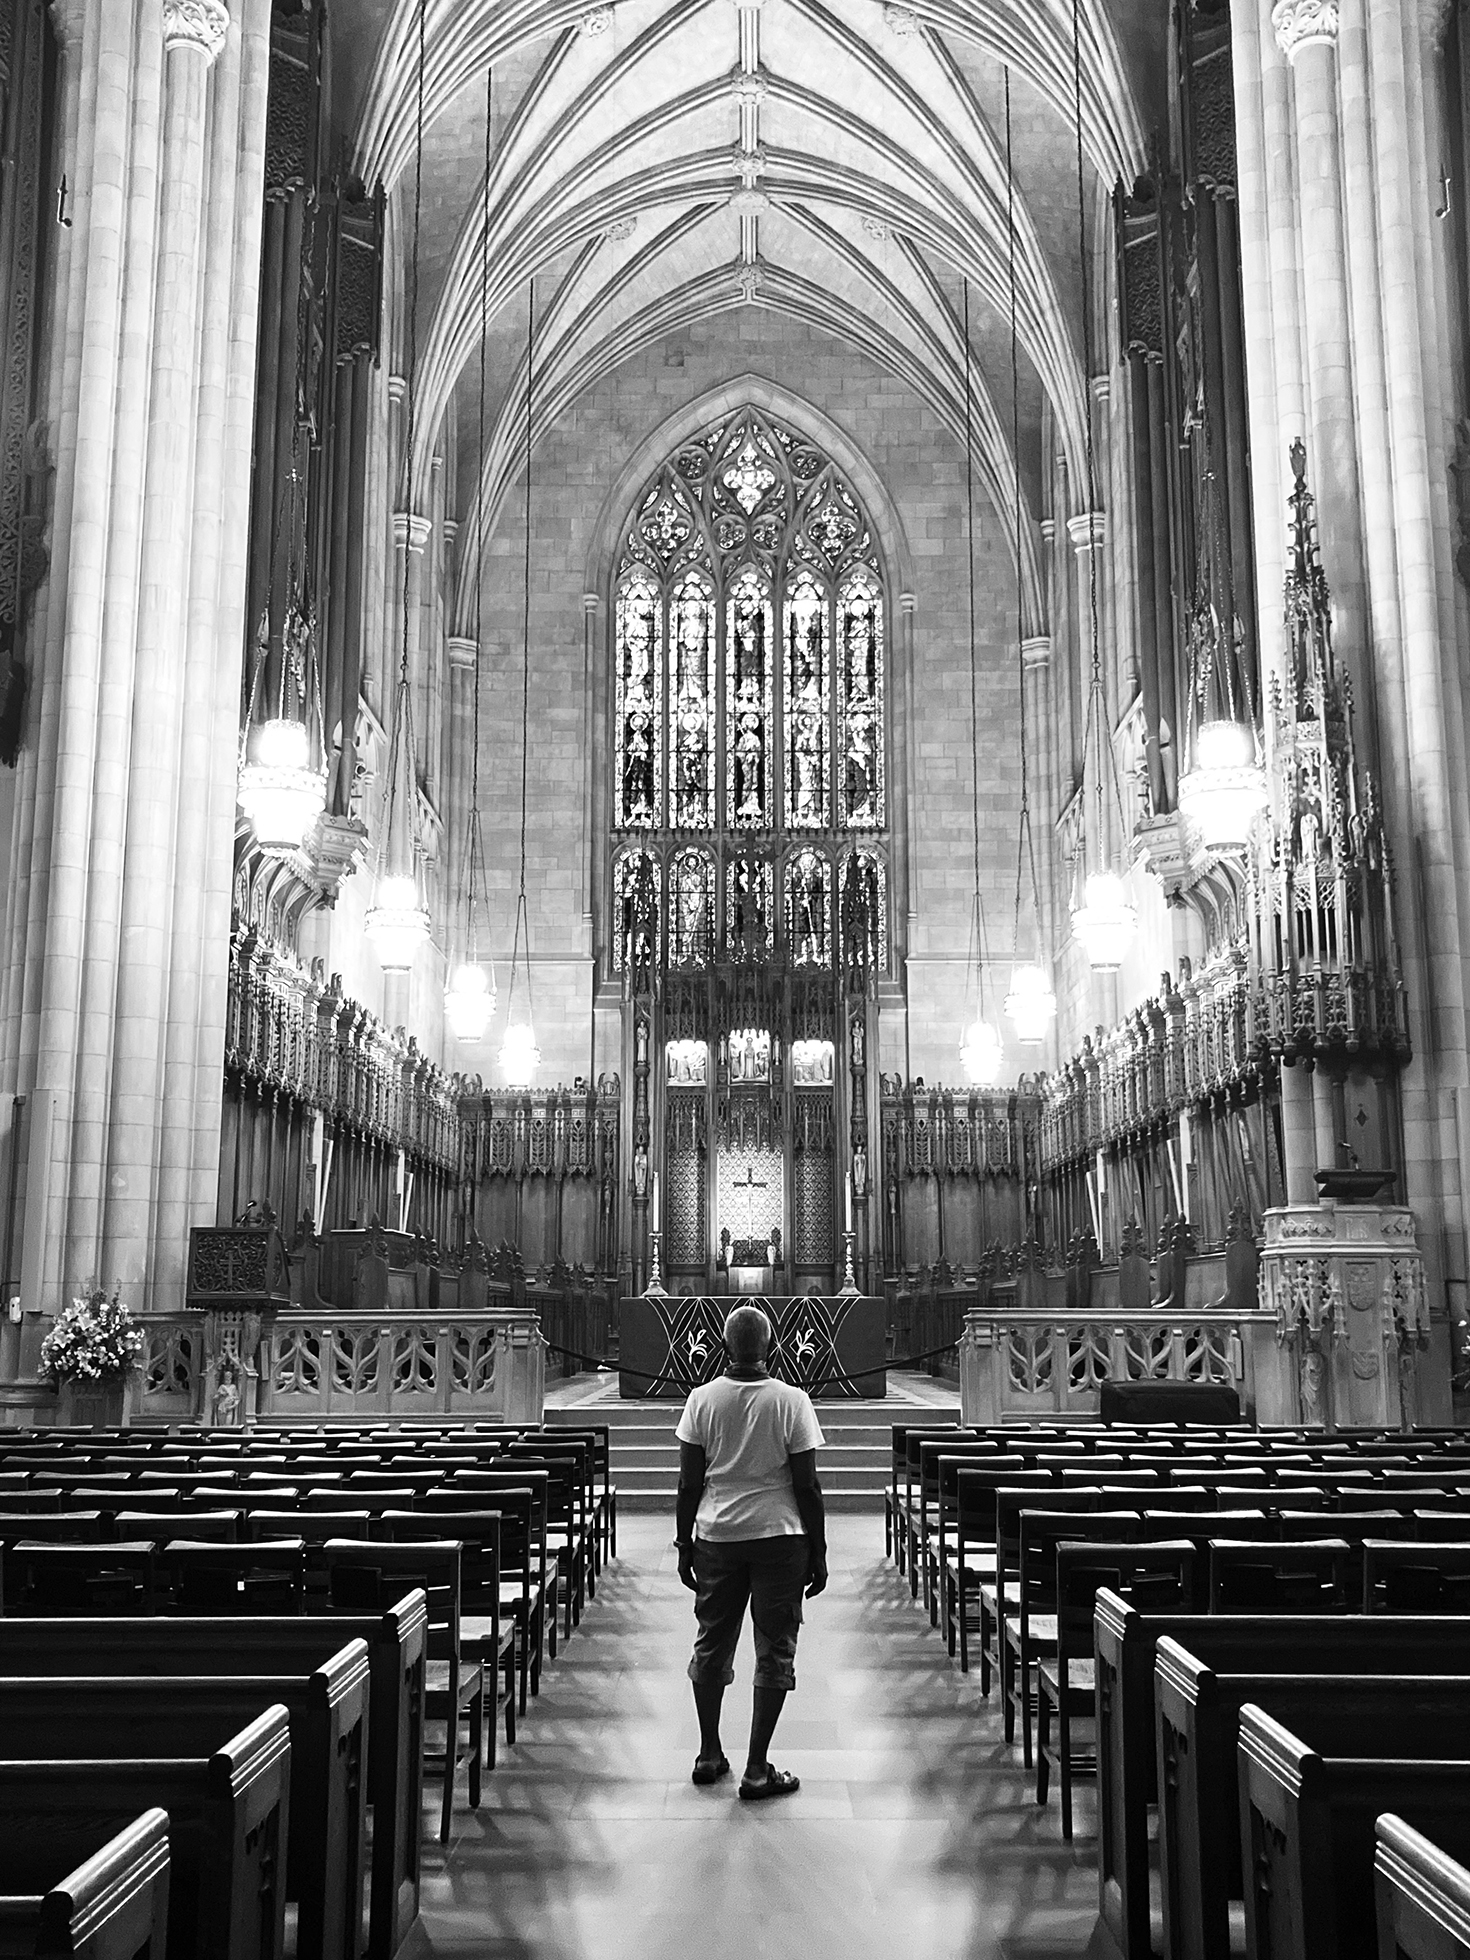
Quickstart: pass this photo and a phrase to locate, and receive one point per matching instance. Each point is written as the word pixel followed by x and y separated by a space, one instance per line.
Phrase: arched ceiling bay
pixel 655 163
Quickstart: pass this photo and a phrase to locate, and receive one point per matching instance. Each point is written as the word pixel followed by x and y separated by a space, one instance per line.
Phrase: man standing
pixel 748 1488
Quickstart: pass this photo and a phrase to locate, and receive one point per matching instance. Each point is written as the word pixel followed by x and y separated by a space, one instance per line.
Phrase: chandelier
pixel 1031 1004
pixel 519 1055
pixel 397 922
pixel 981 1053
pixel 1104 922
pixel 280 792
pixel 1224 793
pixel 469 999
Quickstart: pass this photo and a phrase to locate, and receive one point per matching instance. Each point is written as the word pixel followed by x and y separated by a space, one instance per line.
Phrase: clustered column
pixel 116 953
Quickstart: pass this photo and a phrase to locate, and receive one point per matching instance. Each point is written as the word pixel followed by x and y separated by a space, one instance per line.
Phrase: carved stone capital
pixel 1088 530
pixel 1036 652
pixel 411 529
pixel 901 21
pixel 68 18
pixel 1302 24
pixel 200 26
pixel 461 653
pixel 596 20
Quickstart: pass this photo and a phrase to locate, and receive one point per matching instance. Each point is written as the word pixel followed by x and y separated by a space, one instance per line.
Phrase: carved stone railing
pixel 289 1028
pixel 1016 1364
pixel 350 1366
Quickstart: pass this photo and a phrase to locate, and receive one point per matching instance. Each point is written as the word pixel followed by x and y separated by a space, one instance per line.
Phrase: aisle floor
pixel 914 1830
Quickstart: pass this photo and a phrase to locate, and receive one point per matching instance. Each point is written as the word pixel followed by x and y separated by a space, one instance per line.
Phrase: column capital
pixel 68 18
pixel 1302 24
pixel 200 26
pixel 397 387
pixel 411 529
pixel 1048 530
pixel 1434 20
pixel 1036 652
pixel 590 603
pixel 450 528
pixel 908 602
pixel 901 21
pixel 596 20
pixel 1088 530
pixel 462 652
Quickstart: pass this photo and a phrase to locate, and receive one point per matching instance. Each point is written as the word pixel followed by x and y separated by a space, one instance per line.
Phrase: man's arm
pixel 808 1493
pixel 691 1489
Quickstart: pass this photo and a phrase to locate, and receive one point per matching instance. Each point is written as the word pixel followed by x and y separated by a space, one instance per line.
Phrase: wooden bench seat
pixel 142 1716
pixel 1423 1896
pixel 112 1906
pixel 1309 1820
pixel 396 1640
pixel 228 1813
pixel 1124 1642
pixel 1198 1720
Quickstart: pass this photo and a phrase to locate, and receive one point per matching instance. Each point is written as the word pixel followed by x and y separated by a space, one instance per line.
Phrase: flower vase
pixel 95 1405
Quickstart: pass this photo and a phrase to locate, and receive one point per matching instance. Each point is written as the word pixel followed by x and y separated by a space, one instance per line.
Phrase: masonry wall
pixel 921 470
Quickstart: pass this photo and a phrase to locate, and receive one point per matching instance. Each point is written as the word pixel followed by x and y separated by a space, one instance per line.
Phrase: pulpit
pixel 834 1348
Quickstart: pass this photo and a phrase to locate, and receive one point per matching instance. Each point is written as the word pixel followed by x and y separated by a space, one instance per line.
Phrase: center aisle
pixel 913 1831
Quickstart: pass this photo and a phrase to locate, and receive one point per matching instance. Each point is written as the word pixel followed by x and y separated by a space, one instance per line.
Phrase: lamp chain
pixel 523 920
pixel 978 925
pixel 1025 839
pixel 477 854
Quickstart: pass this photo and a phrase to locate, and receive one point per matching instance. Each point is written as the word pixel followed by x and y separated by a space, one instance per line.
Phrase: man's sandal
pixel 709 1769
pixel 775 1783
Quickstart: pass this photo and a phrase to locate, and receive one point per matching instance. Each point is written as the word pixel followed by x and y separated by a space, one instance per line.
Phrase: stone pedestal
pixel 94 1405
pixel 521 1368
pixel 1345 1284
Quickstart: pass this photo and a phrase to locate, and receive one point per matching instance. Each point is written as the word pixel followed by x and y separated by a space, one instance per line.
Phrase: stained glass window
pixel 860 701
pixel 809 910
pixel 748 731
pixel 692 704
pixel 691 908
pixel 749 925
pixel 863 901
pixel 807 707
pixel 638 909
pixel 638 704
pixel 749 708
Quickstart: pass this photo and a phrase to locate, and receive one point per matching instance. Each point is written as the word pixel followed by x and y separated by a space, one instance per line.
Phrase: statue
pixel 860 1173
pixel 640 1171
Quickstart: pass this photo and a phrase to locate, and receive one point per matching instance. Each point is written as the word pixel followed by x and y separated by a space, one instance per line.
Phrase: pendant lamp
pixel 397 922
pixel 1223 789
pixel 1030 1004
pixel 1105 918
pixel 469 999
pixel 981 1049
pixel 281 790
pixel 520 1057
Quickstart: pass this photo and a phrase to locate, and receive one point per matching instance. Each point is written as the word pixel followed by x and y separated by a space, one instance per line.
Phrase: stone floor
pixel 914 1831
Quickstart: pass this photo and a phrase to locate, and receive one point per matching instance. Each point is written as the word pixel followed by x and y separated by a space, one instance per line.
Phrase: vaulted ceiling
pixel 655 163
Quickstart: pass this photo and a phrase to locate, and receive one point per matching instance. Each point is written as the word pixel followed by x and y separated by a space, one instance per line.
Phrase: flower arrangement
pixel 93 1340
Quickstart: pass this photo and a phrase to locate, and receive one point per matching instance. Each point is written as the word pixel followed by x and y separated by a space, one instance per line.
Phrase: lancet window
pixel 749 709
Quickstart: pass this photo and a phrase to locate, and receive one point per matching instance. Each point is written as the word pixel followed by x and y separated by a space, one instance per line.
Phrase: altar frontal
pixel 834 1348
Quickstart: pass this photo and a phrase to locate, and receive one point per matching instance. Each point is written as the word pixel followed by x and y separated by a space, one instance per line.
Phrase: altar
pixel 834 1348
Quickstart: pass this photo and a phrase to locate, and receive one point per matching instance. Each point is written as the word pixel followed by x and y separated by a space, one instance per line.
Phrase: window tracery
pixel 749 707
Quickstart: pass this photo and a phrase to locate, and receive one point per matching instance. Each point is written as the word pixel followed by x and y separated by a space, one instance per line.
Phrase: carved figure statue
pixel 640 1172
pixel 860 1172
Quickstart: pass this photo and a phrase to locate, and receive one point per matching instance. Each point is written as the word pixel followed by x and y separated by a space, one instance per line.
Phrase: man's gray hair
pixel 747 1335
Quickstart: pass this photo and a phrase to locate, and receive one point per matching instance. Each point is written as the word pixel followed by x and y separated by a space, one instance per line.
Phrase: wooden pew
pixel 1123 1656
pixel 1423 1897
pixel 397 1652
pixel 111 1907
pixel 1198 1720
pixel 1308 1819
pixel 177 1715
pixel 228 1814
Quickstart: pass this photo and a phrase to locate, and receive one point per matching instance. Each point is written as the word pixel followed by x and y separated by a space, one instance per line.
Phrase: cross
pixel 750 1184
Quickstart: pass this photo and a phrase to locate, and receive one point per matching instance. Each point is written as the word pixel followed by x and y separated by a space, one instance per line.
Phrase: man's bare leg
pixel 708 1696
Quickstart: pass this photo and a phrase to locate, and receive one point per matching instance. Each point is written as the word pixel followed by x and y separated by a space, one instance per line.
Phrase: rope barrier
pixel 599 1364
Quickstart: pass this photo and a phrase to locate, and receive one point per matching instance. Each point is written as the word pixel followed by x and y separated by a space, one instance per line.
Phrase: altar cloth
pixel 836 1349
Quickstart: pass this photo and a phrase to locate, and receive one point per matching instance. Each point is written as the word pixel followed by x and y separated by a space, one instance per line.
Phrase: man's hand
pixel 816 1578
pixel 686 1567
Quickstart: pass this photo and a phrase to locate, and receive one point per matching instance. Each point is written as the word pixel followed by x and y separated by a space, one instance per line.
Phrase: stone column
pixel 1088 531
pixel 1036 683
pixel 457 799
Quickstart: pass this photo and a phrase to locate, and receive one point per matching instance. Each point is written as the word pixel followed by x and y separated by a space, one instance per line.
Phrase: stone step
pixel 832 1415
pixel 642 1502
pixel 838 1455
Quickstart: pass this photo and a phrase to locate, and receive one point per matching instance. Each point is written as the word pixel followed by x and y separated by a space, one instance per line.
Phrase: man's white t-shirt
pixel 748 1431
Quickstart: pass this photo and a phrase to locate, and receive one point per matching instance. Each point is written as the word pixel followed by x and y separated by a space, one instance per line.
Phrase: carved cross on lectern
pixel 750 1184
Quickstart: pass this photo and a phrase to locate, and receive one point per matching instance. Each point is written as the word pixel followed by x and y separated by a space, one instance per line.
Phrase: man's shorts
pixel 768 1574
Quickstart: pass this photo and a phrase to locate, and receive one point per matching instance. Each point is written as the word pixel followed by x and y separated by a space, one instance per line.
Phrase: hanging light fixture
pixel 1105 920
pixel 1224 789
pixel 281 790
pixel 397 922
pixel 1030 1004
pixel 981 1048
pixel 519 1055
pixel 469 999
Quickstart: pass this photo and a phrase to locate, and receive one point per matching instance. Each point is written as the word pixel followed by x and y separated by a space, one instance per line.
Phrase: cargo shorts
pixel 767 1574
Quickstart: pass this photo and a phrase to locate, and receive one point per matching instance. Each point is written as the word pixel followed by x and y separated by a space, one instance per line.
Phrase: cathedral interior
pixel 686 646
